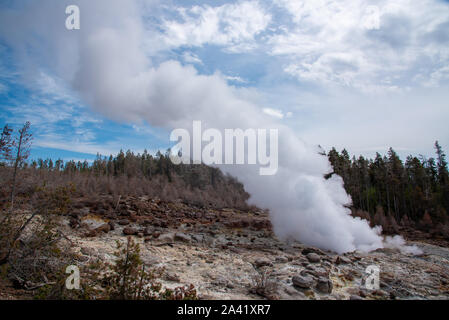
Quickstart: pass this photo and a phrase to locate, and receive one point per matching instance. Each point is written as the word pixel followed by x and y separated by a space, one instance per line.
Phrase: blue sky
pixel 320 67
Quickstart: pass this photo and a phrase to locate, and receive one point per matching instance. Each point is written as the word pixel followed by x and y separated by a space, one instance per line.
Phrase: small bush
pixel 264 286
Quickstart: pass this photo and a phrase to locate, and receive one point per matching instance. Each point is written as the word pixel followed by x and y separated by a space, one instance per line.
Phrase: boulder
pixel 111 225
pixel 179 236
pixel 123 222
pixel 324 285
pixel 313 257
pixel 342 260
pixel 166 237
pixel 198 237
pixel 281 259
pixel 129 231
pixel 103 228
pixel 308 250
pixel 91 233
pixel 304 282
pixel 87 251
pixel 262 262
pixel 315 271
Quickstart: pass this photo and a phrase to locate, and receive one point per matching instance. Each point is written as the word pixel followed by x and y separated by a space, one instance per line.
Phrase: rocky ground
pixel 232 254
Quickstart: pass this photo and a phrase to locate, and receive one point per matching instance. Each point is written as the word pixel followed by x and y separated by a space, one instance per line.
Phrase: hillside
pixel 231 254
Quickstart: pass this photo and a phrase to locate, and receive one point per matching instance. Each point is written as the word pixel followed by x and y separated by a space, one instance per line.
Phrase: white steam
pixel 107 63
pixel 397 242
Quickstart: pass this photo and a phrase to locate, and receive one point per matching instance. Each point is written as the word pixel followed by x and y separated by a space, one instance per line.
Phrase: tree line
pixel 127 172
pixel 415 189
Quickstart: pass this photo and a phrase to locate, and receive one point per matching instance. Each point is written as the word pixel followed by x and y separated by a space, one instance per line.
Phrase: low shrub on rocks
pixel 32 249
pixel 126 279
pixel 264 285
pixel 129 279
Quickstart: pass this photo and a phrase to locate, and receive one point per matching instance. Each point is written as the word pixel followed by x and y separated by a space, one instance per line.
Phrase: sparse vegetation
pixel 264 285
pixel 130 279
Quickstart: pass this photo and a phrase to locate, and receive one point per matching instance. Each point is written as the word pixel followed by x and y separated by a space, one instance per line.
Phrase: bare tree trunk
pixel 16 164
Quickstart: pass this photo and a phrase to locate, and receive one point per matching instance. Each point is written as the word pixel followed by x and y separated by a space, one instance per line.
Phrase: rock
pixel 82 258
pixel 179 236
pixel 103 228
pixel 147 239
pixel 156 234
pixel 315 271
pixel 145 222
pixel 324 285
pixel 198 237
pixel 281 259
pixel 148 231
pixel 342 260
pixel 292 293
pixel 380 293
pixel 355 297
pixel 91 233
pixel 262 262
pixel 166 237
pixel 313 257
pixel 87 251
pixel 111 216
pixel 112 225
pixel 363 292
pixel 123 222
pixel 129 231
pixel 304 282
pixel 306 251
pixel 172 277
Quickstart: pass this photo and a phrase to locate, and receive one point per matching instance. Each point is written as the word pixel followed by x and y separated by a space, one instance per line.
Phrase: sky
pixel 356 74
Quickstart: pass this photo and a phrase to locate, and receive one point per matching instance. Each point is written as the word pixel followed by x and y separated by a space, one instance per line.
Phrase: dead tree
pixel 23 144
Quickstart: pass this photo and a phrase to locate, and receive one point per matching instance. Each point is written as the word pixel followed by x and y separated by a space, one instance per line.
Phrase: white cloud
pixel 190 57
pixel 273 113
pixel 235 79
pixel 232 25
pixel 328 42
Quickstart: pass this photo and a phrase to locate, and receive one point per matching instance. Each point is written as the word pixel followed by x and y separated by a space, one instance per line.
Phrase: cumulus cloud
pixel 230 25
pixel 273 113
pixel 329 42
